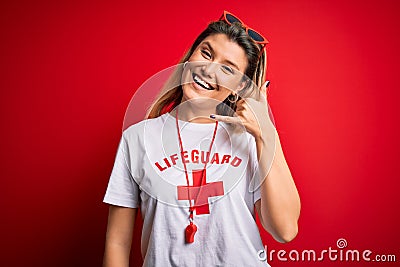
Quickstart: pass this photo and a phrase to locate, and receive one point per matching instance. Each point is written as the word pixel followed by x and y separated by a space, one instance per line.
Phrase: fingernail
pixel 212 116
pixel 267 84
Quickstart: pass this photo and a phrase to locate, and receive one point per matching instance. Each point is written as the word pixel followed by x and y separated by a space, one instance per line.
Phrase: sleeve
pixel 255 177
pixel 122 189
pixel 257 186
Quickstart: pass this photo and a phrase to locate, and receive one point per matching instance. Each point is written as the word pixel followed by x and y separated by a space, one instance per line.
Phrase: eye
pixel 227 69
pixel 206 54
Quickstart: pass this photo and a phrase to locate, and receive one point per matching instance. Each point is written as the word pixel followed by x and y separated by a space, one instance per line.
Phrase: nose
pixel 209 69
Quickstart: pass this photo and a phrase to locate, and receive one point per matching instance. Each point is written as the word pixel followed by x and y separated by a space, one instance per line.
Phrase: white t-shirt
pixel 148 173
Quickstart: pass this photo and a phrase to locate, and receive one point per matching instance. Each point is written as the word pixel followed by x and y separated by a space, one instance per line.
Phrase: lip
pixel 200 82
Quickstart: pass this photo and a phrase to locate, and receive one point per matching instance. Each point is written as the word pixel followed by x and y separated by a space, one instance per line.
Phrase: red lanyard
pixel 192 228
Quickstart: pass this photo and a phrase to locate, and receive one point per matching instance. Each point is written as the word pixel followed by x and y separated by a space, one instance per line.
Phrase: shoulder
pixel 240 134
pixel 136 132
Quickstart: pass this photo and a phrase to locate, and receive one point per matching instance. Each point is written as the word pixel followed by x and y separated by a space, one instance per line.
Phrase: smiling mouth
pixel 201 82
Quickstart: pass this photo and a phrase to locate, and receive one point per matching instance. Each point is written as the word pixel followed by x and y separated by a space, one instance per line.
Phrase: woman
pixel 200 166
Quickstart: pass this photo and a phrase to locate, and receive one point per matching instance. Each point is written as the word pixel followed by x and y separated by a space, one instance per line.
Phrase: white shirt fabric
pixel 148 171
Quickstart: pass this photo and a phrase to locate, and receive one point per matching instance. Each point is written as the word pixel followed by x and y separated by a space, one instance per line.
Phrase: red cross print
pixel 200 191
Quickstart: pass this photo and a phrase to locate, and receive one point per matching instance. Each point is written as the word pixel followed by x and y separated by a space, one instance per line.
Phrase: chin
pixel 190 91
pixel 198 98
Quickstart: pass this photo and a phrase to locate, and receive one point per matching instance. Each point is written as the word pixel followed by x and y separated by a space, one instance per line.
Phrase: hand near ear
pixel 251 113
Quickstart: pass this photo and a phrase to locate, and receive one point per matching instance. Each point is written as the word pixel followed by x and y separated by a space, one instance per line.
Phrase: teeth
pixel 200 81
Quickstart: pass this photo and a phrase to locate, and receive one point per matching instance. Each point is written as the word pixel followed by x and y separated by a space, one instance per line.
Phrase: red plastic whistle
pixel 190 231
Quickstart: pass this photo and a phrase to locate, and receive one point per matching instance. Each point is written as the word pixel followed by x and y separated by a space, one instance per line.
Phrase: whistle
pixel 190 231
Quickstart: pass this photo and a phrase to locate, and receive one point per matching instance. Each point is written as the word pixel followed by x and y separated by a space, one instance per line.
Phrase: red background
pixel 70 68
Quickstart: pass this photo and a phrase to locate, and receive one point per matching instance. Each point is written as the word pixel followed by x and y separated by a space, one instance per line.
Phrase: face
pixel 214 70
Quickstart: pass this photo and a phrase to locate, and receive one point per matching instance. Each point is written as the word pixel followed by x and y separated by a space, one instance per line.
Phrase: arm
pixel 279 206
pixel 119 236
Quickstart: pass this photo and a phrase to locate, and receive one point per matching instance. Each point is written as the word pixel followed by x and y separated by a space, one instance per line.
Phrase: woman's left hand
pixel 251 113
pixel 279 206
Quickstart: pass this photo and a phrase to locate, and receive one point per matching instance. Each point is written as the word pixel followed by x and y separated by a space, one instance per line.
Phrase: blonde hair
pixel 171 94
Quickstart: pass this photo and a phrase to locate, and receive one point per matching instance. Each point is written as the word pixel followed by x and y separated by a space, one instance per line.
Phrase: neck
pixel 192 112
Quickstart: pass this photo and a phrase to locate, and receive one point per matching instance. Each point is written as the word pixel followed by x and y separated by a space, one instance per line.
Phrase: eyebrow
pixel 225 60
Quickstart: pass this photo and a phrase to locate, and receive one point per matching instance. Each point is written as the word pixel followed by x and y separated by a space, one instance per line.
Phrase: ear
pixel 243 84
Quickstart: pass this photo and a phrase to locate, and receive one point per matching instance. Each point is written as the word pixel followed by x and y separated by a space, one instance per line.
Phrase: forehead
pixel 226 50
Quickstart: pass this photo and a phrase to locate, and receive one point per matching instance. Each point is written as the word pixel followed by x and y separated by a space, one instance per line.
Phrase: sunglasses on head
pixel 257 37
